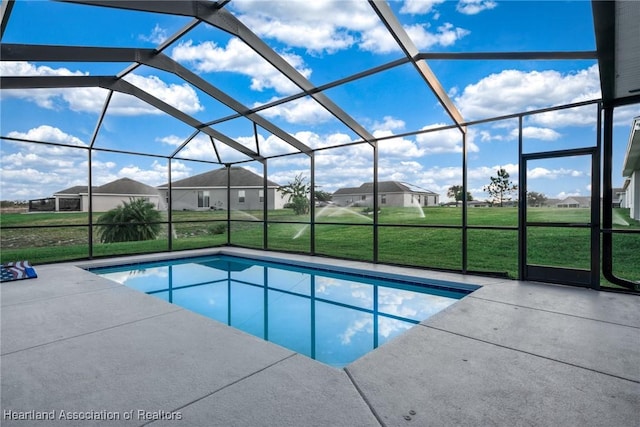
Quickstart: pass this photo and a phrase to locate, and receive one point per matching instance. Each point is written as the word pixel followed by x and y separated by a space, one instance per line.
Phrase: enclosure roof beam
pixel 119 85
pixel 182 8
pixel 126 87
pixel 387 16
pixel 44 53
pixel 226 21
pixel 551 55
pixel 165 63
pixel 150 57
pixel 215 15
pixel 5 11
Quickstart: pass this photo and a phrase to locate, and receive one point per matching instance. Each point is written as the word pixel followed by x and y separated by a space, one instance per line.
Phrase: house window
pixel 241 196
pixel 203 199
pixel 383 199
pixel 261 195
pixel 363 197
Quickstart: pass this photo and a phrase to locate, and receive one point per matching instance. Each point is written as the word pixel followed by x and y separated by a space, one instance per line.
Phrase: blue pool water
pixel 332 317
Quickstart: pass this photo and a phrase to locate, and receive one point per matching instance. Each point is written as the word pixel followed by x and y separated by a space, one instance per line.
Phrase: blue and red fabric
pixel 17 271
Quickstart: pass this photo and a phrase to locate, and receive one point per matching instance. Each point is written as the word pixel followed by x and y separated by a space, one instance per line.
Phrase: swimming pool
pixel 333 317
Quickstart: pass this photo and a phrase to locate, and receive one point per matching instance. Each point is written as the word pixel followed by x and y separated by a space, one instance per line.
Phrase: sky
pixel 324 41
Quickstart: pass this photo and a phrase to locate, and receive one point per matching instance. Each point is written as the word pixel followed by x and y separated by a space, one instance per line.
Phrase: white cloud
pixel 532 132
pixel 540 172
pixel 419 7
pixel 156 174
pixel 473 7
pixel 172 140
pixel 305 111
pixel 269 146
pixel 524 91
pixel 21 68
pixel 389 124
pixel 304 24
pixel 444 141
pixel 315 140
pixel 158 35
pixel 397 147
pixel 31 170
pixel 378 39
pixel 445 36
pixel 46 133
pixel 237 57
pixel 183 97
pixel 201 148
pixel 563 194
pixel 577 116
pixel 91 100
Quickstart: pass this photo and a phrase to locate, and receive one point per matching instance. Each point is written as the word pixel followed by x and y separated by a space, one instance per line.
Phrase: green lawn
pixel 404 237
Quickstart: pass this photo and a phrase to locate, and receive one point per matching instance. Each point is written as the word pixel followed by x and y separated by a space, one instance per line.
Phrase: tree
pixel 535 199
pixel 323 196
pixel 455 192
pixel 129 222
pixel 298 191
pixel 501 187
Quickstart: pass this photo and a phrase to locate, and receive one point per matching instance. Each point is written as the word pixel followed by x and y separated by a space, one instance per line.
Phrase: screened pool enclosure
pixel 358 130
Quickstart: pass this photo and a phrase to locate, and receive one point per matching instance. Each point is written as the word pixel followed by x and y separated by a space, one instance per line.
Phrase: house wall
pixel 343 199
pixel 391 199
pixel 187 199
pixel 633 195
pixel 106 202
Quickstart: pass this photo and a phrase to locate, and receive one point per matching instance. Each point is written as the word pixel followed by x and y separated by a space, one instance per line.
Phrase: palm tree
pixel 129 222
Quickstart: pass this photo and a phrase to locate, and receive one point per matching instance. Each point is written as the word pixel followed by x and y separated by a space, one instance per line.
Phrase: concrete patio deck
pixel 75 345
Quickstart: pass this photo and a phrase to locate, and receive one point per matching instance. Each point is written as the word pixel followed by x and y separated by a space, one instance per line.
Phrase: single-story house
pixel 575 202
pixel 470 204
pixel 631 172
pixel 209 191
pixel 105 197
pixel 390 193
pixel 618 196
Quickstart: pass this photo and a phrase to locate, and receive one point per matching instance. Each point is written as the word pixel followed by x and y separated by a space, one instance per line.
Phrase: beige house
pixel 209 191
pixel 390 193
pixel 105 197
pixel 631 172
pixel 574 202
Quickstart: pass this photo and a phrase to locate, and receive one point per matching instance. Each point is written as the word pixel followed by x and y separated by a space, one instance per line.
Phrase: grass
pixel 345 233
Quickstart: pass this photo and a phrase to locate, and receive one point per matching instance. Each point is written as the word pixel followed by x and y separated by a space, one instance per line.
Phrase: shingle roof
pixel 583 200
pixel 75 190
pixel 240 177
pixel 119 186
pixel 125 186
pixel 383 187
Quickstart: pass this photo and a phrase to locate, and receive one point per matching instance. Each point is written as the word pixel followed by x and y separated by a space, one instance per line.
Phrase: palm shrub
pixel 129 222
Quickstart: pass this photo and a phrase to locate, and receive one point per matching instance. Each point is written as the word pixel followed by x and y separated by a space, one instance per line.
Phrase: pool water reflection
pixel 334 318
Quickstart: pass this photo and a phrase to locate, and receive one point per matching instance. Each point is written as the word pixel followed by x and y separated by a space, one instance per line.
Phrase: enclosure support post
pixel 522 207
pixel 169 208
pixel 312 208
pixel 90 207
pixel 375 202
pixel 265 201
pixel 464 204
pixel 228 203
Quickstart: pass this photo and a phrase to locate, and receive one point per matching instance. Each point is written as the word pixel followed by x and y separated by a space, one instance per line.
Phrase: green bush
pixel 130 222
pixel 219 228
